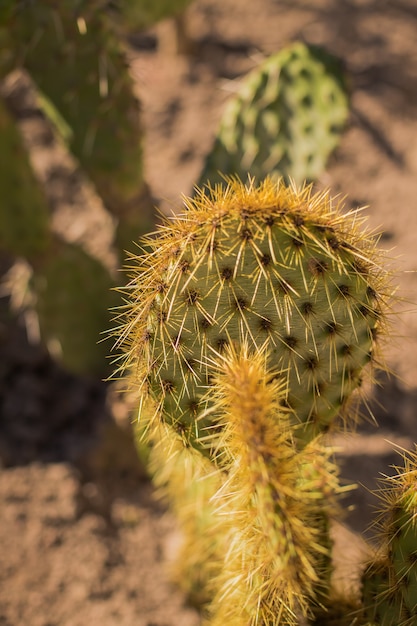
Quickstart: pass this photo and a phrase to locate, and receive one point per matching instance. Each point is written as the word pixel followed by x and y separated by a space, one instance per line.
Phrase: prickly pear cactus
pixel 275 500
pixel 6 42
pixel 24 212
pixel 279 268
pixel 73 297
pixel 255 525
pixel 286 119
pixel 390 581
pixel 78 63
pixel 71 289
pixel 189 482
pixel 248 324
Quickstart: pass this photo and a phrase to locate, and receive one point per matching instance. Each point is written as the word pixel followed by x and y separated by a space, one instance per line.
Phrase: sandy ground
pixel 82 538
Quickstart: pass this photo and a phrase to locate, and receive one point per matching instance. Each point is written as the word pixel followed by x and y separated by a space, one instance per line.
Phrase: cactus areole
pixel 283 270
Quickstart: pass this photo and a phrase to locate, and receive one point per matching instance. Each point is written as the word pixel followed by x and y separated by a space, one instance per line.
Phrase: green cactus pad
pixel 24 212
pixel 390 583
pixel 403 548
pixel 276 267
pixel 381 603
pixel 73 296
pixel 286 119
pixel 78 63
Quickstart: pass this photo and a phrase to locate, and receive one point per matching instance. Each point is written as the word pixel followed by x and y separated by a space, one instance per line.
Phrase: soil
pixel 83 538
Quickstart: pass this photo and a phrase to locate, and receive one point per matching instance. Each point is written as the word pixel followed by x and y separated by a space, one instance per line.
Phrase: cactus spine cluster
pixel 285 120
pixel 248 324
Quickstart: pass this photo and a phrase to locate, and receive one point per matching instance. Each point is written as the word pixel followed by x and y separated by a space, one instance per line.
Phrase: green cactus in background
pixel 73 296
pixel 24 212
pixel 78 63
pixel 248 324
pixel 285 120
pixel 71 289
pixel 6 45
pixel 134 15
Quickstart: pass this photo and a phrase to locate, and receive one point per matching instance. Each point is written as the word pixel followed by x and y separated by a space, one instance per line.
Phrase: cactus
pixel 189 482
pixel 79 66
pixel 71 289
pixel 390 580
pixel 247 326
pixel 24 212
pixel 73 296
pixel 276 565
pixel 280 268
pixel 285 120
pixel 254 506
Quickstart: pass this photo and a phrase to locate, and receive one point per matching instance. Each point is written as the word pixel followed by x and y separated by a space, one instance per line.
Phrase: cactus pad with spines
pixel 390 581
pixel 285 120
pixel 76 60
pixel 270 265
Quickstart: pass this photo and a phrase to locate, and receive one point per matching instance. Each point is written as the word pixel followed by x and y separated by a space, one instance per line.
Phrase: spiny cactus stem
pixel 273 565
pixel 390 580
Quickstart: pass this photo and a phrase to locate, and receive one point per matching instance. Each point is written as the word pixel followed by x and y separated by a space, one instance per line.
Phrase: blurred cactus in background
pixel 135 15
pixel 70 289
pixel 285 120
pixel 78 65
pixel 24 212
